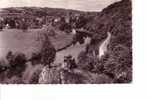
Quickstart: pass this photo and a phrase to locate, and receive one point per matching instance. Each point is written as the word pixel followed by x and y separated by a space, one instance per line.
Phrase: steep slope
pixel 116 19
pixel 117 63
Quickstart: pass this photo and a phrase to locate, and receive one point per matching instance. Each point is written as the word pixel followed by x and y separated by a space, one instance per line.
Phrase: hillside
pixel 117 19
pixel 41 12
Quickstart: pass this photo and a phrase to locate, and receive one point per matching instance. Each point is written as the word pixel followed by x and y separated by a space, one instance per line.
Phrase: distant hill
pixel 39 12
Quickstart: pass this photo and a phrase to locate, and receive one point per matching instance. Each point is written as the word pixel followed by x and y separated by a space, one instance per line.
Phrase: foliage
pixel 12 68
pixel 117 63
pixel 17 64
pixel 48 51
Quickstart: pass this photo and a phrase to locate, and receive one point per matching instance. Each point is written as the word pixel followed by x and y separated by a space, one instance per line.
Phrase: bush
pixel 116 64
pixel 119 64
pixel 86 61
pixel 17 63
pixel 12 68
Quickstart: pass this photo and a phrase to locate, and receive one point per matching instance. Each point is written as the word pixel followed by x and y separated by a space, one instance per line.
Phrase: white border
pixel 134 91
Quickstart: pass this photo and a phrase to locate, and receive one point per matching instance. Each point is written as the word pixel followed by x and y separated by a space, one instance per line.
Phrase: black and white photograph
pixel 66 42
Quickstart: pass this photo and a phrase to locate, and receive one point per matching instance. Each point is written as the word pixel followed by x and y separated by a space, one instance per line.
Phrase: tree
pixel 24 26
pixel 48 51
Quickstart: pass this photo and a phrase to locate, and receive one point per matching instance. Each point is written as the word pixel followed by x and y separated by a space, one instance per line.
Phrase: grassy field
pixel 17 41
pixel 27 43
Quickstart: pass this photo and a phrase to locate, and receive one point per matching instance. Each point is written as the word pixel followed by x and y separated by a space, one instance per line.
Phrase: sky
pixel 84 5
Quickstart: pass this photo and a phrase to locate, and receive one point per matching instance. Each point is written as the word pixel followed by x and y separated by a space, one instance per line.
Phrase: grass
pixel 27 43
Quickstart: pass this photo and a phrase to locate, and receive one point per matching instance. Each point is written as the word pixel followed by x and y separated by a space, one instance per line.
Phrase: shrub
pixel 119 63
pixel 17 64
pixel 86 61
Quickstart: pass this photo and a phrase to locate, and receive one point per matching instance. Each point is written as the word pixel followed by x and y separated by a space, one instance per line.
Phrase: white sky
pixel 85 5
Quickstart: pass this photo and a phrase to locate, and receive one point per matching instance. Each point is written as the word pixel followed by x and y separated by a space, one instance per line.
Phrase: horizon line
pixel 1 8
